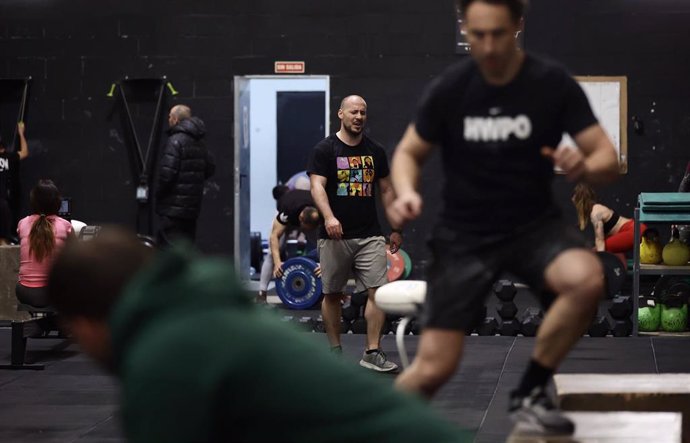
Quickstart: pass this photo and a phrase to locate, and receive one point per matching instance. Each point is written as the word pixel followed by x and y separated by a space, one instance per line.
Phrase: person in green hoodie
pixel 199 362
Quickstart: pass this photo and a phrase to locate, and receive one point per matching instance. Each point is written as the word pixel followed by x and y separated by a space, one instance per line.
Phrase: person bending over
pixel 296 212
pixel 612 232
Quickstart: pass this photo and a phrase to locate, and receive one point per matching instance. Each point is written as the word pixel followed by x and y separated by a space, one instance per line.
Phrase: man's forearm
pixel 601 167
pixel 318 193
pixel 405 173
pixel 23 146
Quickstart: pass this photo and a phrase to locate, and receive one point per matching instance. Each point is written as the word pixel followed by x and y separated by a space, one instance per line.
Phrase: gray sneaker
pixel 536 415
pixel 377 361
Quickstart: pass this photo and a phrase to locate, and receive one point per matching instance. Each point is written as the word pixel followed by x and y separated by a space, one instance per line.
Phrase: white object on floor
pixel 402 297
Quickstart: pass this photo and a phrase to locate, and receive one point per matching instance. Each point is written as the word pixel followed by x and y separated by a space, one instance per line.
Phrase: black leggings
pixel 37 297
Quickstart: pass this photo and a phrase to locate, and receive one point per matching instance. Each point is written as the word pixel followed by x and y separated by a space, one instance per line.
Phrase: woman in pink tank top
pixel 41 236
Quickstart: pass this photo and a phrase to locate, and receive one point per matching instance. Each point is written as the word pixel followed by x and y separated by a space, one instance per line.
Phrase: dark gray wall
pixel 384 50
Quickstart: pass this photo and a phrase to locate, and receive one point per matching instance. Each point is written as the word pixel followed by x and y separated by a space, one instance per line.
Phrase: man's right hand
pixel 333 228
pixel 20 128
pixel 406 207
pixel 278 269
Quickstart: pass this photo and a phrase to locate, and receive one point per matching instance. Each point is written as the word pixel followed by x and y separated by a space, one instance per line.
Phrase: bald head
pixel 178 113
pixel 353 117
pixel 352 100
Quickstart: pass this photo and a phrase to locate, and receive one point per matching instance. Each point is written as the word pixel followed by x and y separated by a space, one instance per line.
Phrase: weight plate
pixel 408 263
pixel 299 287
pixel 395 264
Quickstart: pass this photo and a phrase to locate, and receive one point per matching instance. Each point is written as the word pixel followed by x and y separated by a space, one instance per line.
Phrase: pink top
pixel 33 274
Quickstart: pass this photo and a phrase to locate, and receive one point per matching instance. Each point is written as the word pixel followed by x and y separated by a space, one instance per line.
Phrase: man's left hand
pixel 396 241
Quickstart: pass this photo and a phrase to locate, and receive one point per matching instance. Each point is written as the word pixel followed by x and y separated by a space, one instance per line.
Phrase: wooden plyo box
pixel 616 427
pixel 9 268
pixel 627 392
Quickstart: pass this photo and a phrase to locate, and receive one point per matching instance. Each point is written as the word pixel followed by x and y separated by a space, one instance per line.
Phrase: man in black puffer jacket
pixel 184 167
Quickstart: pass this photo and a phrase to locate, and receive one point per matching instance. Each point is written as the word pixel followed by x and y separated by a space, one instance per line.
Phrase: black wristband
pixel 399 231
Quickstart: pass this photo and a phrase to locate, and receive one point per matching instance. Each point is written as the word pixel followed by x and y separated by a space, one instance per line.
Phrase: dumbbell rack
pixel 656 207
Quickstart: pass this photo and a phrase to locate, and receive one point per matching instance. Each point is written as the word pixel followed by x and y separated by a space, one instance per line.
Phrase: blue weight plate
pixel 299 287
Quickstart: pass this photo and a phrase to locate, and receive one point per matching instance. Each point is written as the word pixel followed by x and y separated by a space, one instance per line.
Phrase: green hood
pixel 177 281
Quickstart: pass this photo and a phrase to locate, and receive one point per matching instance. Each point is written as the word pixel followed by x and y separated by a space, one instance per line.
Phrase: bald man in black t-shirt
pixel 497 117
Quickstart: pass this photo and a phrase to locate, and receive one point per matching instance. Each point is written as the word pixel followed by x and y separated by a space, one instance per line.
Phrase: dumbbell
pixel 350 312
pixel 415 327
pixel 614 273
pixel 359 326
pixel 505 290
pixel 359 298
pixel 622 328
pixel 531 320
pixel 488 327
pixel 621 307
pixel 307 323
pixel 479 317
pixel 507 310
pixel 509 327
pixel 599 327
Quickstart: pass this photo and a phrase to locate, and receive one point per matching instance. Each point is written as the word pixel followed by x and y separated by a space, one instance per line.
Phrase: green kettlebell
pixel 649 315
pixel 674 319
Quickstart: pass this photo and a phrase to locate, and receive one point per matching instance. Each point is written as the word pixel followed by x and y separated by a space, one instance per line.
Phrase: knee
pixel 583 280
pixel 586 282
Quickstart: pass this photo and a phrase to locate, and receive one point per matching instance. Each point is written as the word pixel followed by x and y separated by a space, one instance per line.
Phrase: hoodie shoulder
pixel 192 126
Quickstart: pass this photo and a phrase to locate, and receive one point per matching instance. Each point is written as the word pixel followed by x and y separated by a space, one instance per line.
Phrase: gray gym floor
pixel 73 400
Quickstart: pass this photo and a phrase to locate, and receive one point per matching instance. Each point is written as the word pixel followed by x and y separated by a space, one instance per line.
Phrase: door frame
pixel 241 179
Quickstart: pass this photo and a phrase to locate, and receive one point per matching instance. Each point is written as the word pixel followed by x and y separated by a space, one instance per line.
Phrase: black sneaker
pixel 536 414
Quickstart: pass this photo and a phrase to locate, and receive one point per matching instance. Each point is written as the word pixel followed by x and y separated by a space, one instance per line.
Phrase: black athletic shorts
pixel 464 267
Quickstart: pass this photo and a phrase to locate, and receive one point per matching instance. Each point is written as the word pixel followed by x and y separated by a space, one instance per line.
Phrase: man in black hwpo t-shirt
pixel 347 170
pixel 497 117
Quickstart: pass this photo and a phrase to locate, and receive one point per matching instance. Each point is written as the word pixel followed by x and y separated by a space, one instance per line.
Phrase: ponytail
pixel 41 238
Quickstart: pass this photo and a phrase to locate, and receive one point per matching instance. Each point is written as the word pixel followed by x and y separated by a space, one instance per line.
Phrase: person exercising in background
pixel 295 211
pixel 497 116
pixel 612 232
pixel 9 164
pixel 41 236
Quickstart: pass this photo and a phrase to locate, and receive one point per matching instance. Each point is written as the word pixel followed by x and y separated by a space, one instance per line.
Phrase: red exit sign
pixel 289 67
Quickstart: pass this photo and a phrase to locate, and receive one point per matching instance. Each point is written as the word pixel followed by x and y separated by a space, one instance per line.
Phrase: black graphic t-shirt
pixel 351 173
pixel 9 162
pixel 491 136
pixel 291 204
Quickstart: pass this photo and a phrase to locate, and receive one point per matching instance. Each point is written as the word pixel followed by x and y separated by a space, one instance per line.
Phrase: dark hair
pixel 311 216
pixel 279 191
pixel 516 7
pixel 45 201
pixel 87 277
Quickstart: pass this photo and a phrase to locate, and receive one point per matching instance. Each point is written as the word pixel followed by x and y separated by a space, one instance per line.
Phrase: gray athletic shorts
pixel 365 258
